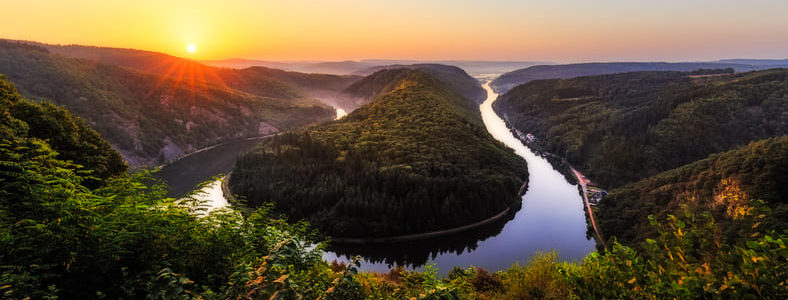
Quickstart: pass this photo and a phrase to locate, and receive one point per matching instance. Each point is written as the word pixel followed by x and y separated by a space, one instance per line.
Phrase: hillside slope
pixel 724 183
pixel 152 119
pixel 377 84
pixel 624 127
pixel 261 81
pixel 512 79
pixel 416 159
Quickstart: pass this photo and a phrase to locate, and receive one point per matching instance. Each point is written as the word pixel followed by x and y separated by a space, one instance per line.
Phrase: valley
pixel 551 219
pixel 154 107
pixel 425 179
pixel 389 150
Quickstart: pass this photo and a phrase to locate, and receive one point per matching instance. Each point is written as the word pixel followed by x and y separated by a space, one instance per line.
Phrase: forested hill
pixel 153 118
pixel 68 135
pixel 624 127
pixel 727 184
pixel 260 81
pixel 378 83
pixel 416 159
pixel 512 79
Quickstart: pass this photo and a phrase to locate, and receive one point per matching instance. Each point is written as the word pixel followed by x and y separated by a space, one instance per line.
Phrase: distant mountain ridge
pixel 347 67
pixel 362 67
pixel 509 80
pixel 772 63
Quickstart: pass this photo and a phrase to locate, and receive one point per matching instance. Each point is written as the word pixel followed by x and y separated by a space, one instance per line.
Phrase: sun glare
pixel 191 48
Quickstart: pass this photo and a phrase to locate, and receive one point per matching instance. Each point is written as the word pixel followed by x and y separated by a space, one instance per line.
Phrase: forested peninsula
pixel 416 159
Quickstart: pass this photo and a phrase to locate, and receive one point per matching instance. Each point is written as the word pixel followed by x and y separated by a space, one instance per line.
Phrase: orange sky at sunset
pixel 560 31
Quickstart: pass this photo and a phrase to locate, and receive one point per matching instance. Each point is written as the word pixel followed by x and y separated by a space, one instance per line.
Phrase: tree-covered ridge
pixel 416 159
pixel 724 183
pixel 68 135
pixel 379 83
pixel 624 127
pixel 509 80
pixel 150 118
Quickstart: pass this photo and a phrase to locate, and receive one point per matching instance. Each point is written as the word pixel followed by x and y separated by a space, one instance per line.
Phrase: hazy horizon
pixel 499 30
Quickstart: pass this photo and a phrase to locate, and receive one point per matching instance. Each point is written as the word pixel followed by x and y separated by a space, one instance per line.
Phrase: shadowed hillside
pixel 259 80
pixel 512 79
pixel 725 183
pixel 155 117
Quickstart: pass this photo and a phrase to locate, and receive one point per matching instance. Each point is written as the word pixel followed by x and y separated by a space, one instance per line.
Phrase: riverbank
pixel 185 174
pixel 385 240
pixel 203 149
pixel 562 166
pixel 584 189
pixel 420 236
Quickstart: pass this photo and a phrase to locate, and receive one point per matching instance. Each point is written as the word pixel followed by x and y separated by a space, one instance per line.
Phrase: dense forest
pixel 725 184
pixel 625 127
pixel 153 118
pixel 509 80
pixel 416 159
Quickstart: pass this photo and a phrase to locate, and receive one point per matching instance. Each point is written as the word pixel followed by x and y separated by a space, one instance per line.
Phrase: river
pixel 551 218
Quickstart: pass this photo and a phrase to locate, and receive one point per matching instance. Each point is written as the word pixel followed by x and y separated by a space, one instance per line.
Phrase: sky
pixel 555 30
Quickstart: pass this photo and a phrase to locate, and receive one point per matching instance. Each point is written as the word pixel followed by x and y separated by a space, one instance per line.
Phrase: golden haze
pixel 560 30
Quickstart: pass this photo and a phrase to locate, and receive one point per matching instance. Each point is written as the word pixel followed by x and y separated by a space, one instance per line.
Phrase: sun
pixel 191 48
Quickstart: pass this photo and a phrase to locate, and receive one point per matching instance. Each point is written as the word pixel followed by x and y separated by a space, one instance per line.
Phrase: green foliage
pixel 417 159
pixel 542 278
pixel 690 259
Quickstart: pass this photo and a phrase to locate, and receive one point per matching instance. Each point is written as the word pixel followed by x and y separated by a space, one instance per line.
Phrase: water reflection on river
pixel 551 218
